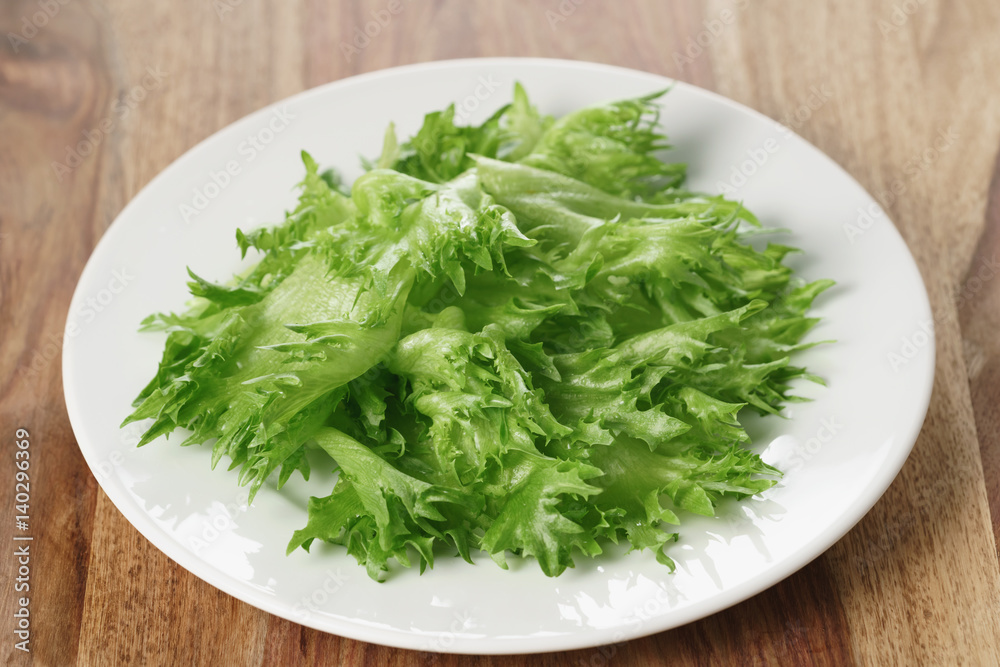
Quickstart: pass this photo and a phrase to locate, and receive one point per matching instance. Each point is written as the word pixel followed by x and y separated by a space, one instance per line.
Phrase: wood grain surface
pixel 916 582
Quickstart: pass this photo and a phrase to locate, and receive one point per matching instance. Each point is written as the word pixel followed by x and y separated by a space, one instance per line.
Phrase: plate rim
pixel 393 637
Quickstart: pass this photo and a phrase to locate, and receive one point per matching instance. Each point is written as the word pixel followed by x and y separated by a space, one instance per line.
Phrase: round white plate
pixel 840 452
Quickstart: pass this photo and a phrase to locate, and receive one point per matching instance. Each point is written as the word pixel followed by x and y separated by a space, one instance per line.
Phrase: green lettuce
pixel 520 338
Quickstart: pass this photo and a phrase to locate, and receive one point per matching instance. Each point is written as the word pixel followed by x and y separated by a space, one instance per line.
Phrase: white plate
pixel 840 452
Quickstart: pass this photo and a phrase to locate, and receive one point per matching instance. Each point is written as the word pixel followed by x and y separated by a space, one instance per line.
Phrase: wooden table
pixel 916 582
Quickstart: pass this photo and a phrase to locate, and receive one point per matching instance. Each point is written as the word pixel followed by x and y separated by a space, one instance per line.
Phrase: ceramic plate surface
pixel 840 451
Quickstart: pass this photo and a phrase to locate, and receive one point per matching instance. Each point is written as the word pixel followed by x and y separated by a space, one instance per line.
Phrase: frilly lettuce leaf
pixel 522 337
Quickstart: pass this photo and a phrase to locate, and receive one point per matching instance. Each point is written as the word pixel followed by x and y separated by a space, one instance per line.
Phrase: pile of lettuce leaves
pixel 520 337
